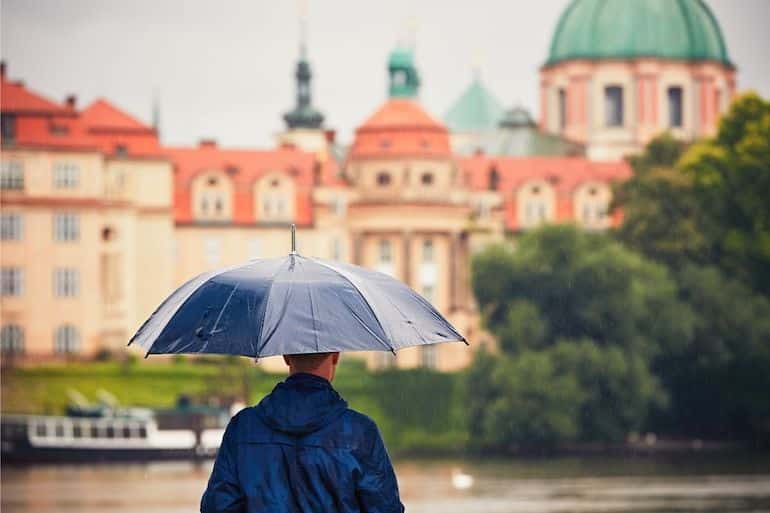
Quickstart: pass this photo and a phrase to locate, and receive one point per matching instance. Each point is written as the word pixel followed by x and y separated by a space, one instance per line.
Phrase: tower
pixel 403 79
pixel 304 115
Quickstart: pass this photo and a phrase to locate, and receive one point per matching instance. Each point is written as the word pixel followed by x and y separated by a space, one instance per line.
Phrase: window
pixel 11 226
pixel 385 253
pixel 336 248
pixel 66 339
pixel 267 206
pixel 613 106
pixel 212 250
pixel 339 206
pixel 12 339
pixel 494 179
pixel 429 356
pixel 562 109
pixel 427 250
pixel 11 281
pixel 675 107
pixel 11 175
pixel 8 126
pixel 66 227
pixel 536 211
pixel 383 179
pixel 254 248
pixel 428 292
pixel 427 178
pixel 66 282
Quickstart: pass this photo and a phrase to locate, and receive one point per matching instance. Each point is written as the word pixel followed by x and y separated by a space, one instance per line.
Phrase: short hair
pixel 307 361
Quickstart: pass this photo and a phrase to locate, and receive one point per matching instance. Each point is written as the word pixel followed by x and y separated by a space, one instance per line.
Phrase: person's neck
pixel 321 373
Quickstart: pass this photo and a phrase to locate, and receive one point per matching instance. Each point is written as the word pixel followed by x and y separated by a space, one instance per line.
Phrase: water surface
pixel 681 484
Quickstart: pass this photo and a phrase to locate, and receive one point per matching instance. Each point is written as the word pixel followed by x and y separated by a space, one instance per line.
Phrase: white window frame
pixel 11 175
pixel 66 175
pixel 66 227
pixel 66 339
pixel 429 356
pixel 384 252
pixel 66 282
pixel 212 249
pixel 11 281
pixel 11 339
pixel 11 226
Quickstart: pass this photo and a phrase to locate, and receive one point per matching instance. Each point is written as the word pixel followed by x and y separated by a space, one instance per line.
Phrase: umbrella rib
pixel 260 344
pixel 386 343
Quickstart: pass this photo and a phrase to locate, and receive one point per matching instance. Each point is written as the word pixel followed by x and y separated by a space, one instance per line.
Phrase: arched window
pixel 274 198
pixel 12 339
pixel 536 203
pixel 592 201
pixel 384 252
pixel 675 117
pixel 66 339
pixel 562 109
pixel 212 196
pixel 613 106
pixel 427 250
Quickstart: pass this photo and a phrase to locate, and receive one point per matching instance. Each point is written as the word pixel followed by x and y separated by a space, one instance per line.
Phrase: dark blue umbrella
pixel 292 305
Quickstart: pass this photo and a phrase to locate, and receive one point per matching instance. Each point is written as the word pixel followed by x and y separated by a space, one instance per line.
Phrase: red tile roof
pixel 564 174
pixel 246 167
pixel 400 128
pixel 17 99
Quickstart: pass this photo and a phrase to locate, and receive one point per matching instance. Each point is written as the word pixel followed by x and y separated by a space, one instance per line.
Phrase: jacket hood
pixel 300 405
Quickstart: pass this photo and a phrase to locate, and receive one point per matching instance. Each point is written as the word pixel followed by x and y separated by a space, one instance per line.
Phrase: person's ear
pixel 286 360
pixel 335 358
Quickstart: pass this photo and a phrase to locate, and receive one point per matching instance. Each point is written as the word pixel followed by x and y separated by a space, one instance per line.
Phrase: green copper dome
pixel 476 109
pixel 625 29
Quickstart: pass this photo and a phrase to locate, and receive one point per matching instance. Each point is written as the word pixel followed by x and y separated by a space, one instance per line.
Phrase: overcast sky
pixel 223 69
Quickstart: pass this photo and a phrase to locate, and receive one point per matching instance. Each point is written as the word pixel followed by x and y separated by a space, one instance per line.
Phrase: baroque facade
pixel 100 221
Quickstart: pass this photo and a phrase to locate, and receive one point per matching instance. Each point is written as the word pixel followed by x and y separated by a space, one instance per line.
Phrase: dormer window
pixel 383 179
pixel 212 181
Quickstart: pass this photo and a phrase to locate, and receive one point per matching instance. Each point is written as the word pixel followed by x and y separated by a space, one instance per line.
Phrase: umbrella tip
pixel 293 238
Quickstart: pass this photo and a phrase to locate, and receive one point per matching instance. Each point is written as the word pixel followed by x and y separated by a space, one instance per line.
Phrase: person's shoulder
pixel 244 423
pixel 359 419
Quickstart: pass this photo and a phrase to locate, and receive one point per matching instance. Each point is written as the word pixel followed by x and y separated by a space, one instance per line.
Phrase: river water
pixel 679 484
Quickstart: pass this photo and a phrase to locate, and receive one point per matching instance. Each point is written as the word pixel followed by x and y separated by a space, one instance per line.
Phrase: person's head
pixel 320 364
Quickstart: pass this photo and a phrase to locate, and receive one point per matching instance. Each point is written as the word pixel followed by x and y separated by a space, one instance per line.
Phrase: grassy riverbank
pixel 415 409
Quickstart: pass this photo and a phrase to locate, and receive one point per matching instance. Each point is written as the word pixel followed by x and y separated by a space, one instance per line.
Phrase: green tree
pixel 718 382
pixel 731 179
pixel 534 405
pixel 618 388
pixel 583 285
pixel 660 210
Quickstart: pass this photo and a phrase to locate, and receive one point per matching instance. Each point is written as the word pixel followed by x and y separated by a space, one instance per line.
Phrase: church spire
pixel 304 115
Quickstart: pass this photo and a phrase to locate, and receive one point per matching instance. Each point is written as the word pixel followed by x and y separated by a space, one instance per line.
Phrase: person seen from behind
pixel 302 450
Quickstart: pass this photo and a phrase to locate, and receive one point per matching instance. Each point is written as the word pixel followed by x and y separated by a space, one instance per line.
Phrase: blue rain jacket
pixel 302 450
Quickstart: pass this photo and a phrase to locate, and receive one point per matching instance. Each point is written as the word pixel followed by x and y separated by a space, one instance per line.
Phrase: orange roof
pixel 564 174
pixel 400 128
pixel 101 115
pixel 16 98
pixel 246 166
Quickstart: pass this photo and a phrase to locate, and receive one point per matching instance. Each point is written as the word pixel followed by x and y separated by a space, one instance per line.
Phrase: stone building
pixel 100 221
pixel 618 73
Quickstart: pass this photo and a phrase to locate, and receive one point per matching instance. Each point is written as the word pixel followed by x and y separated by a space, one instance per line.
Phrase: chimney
pixel 71 101
pixel 207 143
pixel 2 69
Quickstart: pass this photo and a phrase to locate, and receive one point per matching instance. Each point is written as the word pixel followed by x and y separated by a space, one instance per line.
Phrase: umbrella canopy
pixel 292 305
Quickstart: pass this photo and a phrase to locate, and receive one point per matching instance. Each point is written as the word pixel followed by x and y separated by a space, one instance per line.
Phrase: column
pixel 406 241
